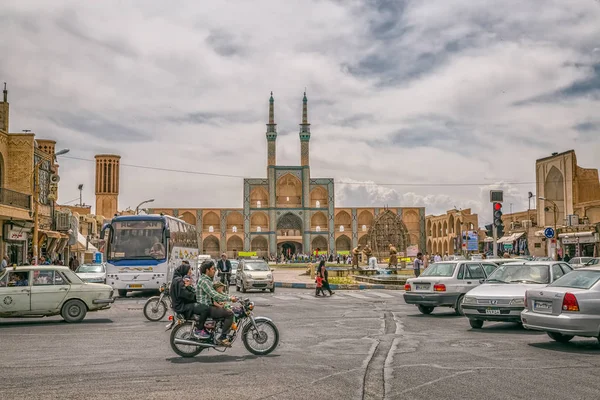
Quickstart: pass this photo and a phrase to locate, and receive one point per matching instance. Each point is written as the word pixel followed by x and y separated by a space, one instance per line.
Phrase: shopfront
pixel 580 244
pixel 15 241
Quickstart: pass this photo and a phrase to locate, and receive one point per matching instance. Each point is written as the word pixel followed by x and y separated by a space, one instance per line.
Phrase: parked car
pixel 568 307
pixel 444 284
pixel 93 273
pixel 593 261
pixel 502 296
pixel 46 290
pixel 254 274
pixel 578 262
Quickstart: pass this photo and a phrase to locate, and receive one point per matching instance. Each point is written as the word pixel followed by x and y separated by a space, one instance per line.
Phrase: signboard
pixel 247 254
pixel 412 250
pixel 16 235
pixel 508 246
pixel 98 258
pixel 344 252
pixel 549 233
pixel 470 241
pixel 581 240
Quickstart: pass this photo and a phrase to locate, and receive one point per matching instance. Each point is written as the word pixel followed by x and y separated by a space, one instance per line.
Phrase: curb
pixel 295 285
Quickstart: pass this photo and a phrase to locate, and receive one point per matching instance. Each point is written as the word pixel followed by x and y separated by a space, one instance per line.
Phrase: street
pixel 354 345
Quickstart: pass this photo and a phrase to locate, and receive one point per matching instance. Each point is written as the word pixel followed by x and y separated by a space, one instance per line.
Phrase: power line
pixel 444 184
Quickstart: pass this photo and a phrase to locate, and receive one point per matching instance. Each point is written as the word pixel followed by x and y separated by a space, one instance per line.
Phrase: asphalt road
pixel 354 345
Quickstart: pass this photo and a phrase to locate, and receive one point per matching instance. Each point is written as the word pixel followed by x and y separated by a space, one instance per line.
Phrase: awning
pixel 50 234
pixel 517 235
pixel 488 239
pixel 80 246
pixel 576 234
pixel 505 239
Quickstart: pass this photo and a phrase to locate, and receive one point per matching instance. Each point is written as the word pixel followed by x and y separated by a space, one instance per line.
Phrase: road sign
pixel 549 233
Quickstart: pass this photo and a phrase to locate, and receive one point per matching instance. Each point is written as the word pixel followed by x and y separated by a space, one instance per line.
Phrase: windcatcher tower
pixel 304 134
pixel 107 184
pixel 4 109
pixel 271 135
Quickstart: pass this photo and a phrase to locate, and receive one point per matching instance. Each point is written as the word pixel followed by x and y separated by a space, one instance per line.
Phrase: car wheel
pixel 559 337
pixel 74 311
pixel 426 309
pixel 476 323
pixel 122 293
pixel 458 309
pixel 273 289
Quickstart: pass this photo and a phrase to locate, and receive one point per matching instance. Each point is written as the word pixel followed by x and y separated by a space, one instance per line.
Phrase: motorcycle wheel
pixel 254 341
pixel 184 331
pixel 155 309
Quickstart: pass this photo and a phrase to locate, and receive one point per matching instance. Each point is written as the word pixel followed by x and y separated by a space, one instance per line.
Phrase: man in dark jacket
pixel 224 267
pixel 183 297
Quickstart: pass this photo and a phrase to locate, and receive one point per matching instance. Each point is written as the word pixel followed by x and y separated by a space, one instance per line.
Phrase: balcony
pixel 15 199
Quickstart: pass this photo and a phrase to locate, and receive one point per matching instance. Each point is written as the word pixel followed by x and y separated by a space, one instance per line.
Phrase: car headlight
pixel 520 301
pixel 249 276
pixel 269 276
pixel 469 300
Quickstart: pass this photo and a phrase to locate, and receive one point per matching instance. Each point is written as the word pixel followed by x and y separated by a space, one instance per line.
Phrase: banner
pixel 344 252
pixel 412 250
pixel 247 254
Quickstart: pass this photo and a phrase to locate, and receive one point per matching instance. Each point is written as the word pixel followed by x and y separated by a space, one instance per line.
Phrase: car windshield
pixel 521 274
pixel 90 268
pixel 440 269
pixel 137 239
pixel 578 279
pixel 256 266
pixel 234 264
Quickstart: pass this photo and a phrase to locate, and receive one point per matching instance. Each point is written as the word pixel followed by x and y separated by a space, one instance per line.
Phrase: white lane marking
pixel 379 294
pixel 357 296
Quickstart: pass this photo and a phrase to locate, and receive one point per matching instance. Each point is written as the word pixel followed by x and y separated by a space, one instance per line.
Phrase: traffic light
pixel 498 219
pixel 489 230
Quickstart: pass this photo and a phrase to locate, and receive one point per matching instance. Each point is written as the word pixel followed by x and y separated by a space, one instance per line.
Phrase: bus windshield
pixel 137 240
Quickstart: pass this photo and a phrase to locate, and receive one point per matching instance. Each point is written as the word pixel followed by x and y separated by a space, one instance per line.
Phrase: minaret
pixel 271 134
pixel 304 134
pixel 4 109
pixel 107 184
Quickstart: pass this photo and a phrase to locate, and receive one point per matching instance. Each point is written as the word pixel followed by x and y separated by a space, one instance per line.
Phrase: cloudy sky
pixel 426 103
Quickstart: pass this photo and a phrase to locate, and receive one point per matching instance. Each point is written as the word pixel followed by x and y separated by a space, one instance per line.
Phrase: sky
pixel 411 103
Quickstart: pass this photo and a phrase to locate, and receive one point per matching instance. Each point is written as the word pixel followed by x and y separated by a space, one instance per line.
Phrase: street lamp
pixel 555 210
pixel 36 195
pixel 142 203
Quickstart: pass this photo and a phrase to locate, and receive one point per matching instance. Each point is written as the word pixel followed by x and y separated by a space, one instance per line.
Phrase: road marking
pixel 286 298
pixel 384 295
pixel 357 296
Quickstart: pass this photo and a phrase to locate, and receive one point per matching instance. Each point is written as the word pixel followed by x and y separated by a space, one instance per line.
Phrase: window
pixel 318 228
pixel 318 204
pixel 211 228
pixel 557 272
pixel 258 229
pixel 234 229
pixel 258 204
pixel 578 279
pixel 15 279
pixel 341 228
pixel 489 268
pixel 364 228
pixel 566 268
pixel 475 271
pixel 46 278
pixel 461 272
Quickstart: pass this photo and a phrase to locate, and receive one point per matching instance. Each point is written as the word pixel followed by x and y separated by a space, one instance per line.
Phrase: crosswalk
pixel 364 295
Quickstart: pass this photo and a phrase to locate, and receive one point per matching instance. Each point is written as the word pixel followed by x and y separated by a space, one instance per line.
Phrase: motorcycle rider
pixel 183 298
pixel 207 295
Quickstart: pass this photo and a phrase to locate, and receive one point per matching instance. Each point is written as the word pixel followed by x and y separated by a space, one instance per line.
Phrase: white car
pixel 578 262
pixel 501 297
pixel 92 273
pixel 444 284
pixel 46 290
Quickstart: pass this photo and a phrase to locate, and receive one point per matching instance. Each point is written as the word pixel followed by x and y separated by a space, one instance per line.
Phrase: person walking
pixel 418 264
pixel 322 272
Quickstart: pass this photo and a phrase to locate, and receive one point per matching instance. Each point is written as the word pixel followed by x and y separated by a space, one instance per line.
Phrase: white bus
pixel 142 251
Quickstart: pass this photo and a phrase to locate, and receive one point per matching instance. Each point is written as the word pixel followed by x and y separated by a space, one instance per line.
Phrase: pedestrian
pixel 319 282
pixel 322 272
pixel 418 264
pixel 426 261
pixel 4 263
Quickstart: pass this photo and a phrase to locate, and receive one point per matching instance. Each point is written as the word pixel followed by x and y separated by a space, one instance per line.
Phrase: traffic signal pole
pixel 495 236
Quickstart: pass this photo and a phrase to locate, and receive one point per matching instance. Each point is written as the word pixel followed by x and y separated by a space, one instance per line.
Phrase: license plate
pixel 493 311
pixel 421 287
pixel 135 286
pixel 542 305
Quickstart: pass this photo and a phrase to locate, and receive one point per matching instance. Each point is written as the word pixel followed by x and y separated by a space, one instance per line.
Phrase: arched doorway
pixel 343 243
pixel 289 225
pixel 289 249
pixel 319 243
pixel 554 190
pixel 260 245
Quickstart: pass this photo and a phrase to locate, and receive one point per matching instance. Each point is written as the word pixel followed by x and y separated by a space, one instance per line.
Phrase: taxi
pixel 46 290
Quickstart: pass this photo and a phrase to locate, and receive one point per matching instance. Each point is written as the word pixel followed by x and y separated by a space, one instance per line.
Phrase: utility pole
pixel 80 187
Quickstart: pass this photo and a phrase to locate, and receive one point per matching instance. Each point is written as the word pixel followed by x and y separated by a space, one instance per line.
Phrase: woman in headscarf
pixel 322 272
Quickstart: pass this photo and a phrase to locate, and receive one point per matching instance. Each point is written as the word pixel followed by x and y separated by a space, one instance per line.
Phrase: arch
pixel 428 228
pixel 259 220
pixel 318 197
pixel 414 239
pixel 343 243
pixel 458 227
pixel 429 246
pixel 343 219
pixel 318 219
pixel 289 191
pixel 189 218
pixel 210 219
pixel 451 225
pixel 363 240
pixel 234 245
pixel 1 170
pixel 319 242
pixel 260 245
pixel 365 218
pixel 289 225
pixel 234 219
pixel 211 246
pixel 445 229
pixel 259 197
pixel 445 247
pixel 434 247
pixel 434 231
pixel 440 229
pixel 411 220
pixel 554 190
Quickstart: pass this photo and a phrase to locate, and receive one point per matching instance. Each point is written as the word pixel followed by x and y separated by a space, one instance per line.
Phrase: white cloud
pixel 399 92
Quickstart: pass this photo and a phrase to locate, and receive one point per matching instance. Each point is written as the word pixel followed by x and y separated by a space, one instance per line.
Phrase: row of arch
pixel 441 246
pixel 452 226
pixel 289 194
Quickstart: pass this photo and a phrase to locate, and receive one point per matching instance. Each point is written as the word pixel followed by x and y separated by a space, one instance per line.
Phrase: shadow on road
pixel 50 322
pixel 451 314
pixel 575 347
pixel 505 328
pixel 216 359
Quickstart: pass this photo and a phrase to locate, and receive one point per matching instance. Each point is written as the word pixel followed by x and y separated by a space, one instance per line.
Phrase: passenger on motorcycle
pixel 184 299
pixel 207 295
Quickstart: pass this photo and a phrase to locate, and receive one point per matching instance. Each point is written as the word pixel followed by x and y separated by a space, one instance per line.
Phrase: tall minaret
pixel 4 109
pixel 304 134
pixel 271 134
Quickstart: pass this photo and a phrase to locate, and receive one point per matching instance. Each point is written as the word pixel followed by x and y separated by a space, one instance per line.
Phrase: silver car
pixel 502 297
pixel 578 262
pixel 93 273
pixel 567 308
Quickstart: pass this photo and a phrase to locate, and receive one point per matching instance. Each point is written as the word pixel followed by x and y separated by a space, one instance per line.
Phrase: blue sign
pixel 98 258
pixel 549 233
pixel 470 240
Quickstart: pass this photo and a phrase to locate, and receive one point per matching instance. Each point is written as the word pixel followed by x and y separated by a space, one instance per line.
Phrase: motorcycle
pixel 256 332
pixel 156 306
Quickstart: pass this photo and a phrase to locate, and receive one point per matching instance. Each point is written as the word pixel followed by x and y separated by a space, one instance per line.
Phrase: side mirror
pixel 272 269
pixel 481 280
